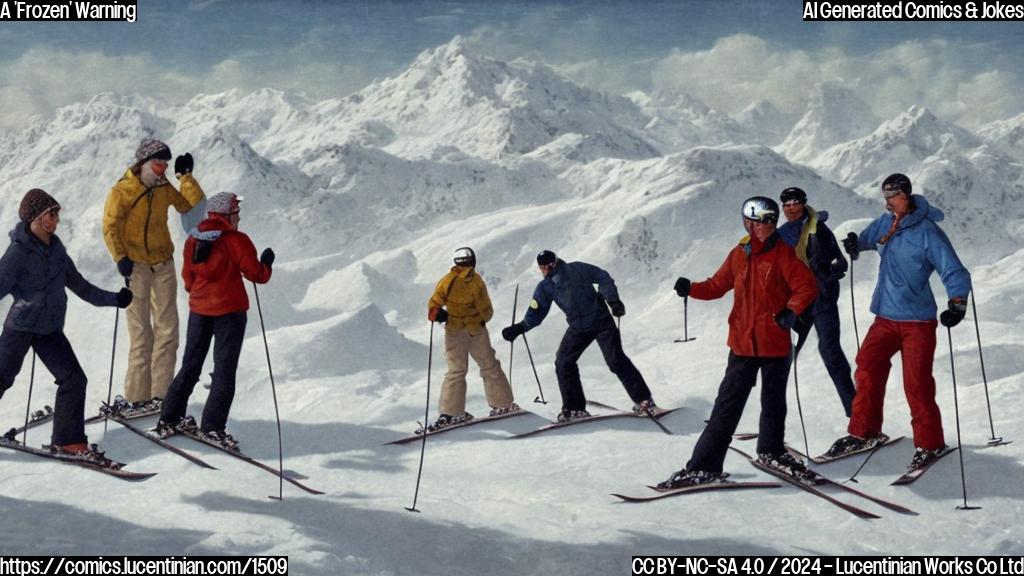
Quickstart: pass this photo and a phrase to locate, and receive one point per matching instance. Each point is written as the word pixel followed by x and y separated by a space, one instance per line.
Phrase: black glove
pixel 954 314
pixel 850 244
pixel 512 332
pixel 267 258
pixel 618 308
pixel 786 319
pixel 125 267
pixel 682 287
pixel 183 164
pixel 441 316
pixel 124 298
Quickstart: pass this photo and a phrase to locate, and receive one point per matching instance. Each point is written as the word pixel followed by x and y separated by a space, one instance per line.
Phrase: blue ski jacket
pixel 816 246
pixel 580 290
pixel 35 274
pixel 915 250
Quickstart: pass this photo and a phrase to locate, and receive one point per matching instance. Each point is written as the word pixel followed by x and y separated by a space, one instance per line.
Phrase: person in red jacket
pixel 771 288
pixel 217 257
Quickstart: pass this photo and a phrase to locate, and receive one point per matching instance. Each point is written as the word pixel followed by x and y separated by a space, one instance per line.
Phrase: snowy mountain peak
pixel 834 115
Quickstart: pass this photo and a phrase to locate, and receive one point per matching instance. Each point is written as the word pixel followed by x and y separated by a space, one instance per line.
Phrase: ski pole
pixel 31 381
pixel 539 399
pixel 426 419
pixel 512 345
pixel 796 388
pixel 956 410
pixel 993 440
pixel 853 307
pixel 113 350
pixel 853 478
pixel 686 330
pixel 273 390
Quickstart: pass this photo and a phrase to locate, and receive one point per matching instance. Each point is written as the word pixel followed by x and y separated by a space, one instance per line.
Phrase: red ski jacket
pixel 214 285
pixel 766 279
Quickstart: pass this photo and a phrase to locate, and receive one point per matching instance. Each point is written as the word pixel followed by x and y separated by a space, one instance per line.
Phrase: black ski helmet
pixel 546 257
pixel 793 194
pixel 465 257
pixel 761 209
pixel 896 182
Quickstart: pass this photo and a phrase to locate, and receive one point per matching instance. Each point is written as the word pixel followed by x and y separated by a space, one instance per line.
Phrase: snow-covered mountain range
pixel 364 198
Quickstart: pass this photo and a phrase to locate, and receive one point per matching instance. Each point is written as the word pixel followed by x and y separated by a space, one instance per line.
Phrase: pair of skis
pixel 654 415
pixel 818 490
pixel 615 413
pixel 148 435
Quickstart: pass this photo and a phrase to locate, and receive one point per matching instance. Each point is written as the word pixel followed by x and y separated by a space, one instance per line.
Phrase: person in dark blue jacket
pixel 911 247
pixel 35 270
pixel 585 293
pixel 805 230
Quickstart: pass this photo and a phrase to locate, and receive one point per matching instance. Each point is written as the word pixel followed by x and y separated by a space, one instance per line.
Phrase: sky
pixel 727 53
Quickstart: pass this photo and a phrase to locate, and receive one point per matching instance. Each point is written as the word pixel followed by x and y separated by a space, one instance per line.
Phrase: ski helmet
pixel 546 257
pixel 761 209
pixel 895 184
pixel 793 194
pixel 465 257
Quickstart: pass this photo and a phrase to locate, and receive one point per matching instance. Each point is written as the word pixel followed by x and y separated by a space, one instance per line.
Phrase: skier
pixel 217 257
pixel 816 246
pixel 460 301
pixel 136 235
pixel 35 270
pixel 582 290
pixel 771 288
pixel 911 246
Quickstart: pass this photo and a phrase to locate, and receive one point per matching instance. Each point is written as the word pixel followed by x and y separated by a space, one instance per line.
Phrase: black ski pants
pixel 740 378
pixel 574 342
pixel 826 324
pixel 55 352
pixel 228 331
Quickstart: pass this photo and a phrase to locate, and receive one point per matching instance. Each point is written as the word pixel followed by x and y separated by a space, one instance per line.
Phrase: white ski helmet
pixel 761 209
pixel 465 257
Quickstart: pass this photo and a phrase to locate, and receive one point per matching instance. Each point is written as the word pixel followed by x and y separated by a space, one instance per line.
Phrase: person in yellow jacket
pixel 461 302
pixel 135 232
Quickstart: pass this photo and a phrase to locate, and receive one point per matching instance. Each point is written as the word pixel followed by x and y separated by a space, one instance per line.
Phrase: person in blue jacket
pixel 35 270
pixel 911 246
pixel 805 230
pixel 585 293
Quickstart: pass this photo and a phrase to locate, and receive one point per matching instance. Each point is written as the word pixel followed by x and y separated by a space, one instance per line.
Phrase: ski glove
pixel 682 287
pixel 955 313
pixel 438 315
pixel 850 244
pixel 510 333
pixel 124 298
pixel 183 164
pixel 618 308
pixel 267 258
pixel 786 319
pixel 125 267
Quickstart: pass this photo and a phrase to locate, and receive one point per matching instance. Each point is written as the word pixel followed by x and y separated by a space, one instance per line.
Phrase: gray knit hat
pixel 223 203
pixel 151 148
pixel 36 203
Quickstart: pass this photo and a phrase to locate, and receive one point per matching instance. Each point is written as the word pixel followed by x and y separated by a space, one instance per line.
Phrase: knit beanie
pixel 34 204
pixel 223 203
pixel 151 148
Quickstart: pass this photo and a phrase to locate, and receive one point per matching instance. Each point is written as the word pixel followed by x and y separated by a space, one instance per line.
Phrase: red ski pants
pixel 916 343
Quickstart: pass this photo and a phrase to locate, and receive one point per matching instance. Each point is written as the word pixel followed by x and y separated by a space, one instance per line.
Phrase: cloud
pixel 968 83
pixel 43 79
